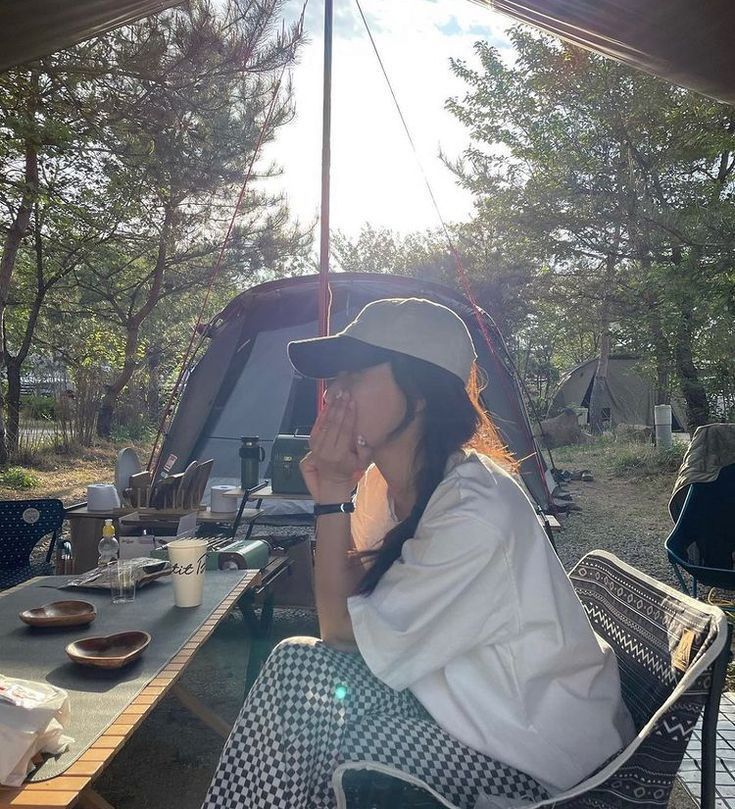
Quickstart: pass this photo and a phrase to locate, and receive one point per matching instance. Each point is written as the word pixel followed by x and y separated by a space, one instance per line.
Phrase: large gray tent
pixel 629 398
pixel 245 385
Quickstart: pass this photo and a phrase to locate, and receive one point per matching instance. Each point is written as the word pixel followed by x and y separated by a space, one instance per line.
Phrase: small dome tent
pixel 629 399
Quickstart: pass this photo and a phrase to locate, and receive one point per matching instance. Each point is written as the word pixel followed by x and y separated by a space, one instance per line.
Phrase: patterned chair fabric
pixel 647 623
pixel 23 524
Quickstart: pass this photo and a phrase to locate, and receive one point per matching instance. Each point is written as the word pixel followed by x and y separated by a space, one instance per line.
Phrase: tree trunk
pixel 663 361
pixel 13 240
pixel 14 364
pixel 661 393
pixel 15 235
pixel 153 393
pixel 12 367
pixel 693 390
pixel 3 434
pixel 106 411
pixel 661 348
pixel 112 391
pixel 599 394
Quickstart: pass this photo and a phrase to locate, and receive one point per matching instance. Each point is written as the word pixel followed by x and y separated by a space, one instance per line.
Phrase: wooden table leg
pixel 89 799
pixel 201 711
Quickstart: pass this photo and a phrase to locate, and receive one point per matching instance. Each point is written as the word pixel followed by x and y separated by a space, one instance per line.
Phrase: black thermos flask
pixel 251 454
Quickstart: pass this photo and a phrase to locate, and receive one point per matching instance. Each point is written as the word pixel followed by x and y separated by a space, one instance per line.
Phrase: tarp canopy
pixel 30 29
pixel 688 42
pixel 245 385
pixel 629 398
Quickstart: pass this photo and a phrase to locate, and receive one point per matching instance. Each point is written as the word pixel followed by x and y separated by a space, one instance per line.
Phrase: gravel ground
pixel 628 517
pixel 168 763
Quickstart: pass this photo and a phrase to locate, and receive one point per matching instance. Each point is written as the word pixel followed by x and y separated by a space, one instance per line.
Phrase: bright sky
pixel 375 177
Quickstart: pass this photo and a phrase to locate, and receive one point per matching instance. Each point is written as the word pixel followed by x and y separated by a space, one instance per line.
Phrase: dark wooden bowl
pixel 60 613
pixel 109 652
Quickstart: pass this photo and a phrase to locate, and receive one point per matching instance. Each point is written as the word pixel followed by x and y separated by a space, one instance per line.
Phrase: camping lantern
pixel 251 454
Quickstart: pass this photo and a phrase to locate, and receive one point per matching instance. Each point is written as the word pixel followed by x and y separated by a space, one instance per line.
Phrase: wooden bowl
pixel 60 613
pixel 110 651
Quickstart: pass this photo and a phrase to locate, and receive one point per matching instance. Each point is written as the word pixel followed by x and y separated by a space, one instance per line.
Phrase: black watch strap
pixel 333 508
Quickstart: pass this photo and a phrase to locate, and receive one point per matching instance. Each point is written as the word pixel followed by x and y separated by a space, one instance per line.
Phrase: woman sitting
pixel 453 647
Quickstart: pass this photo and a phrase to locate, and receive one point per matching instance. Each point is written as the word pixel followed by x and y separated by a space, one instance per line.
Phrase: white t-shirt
pixel 479 619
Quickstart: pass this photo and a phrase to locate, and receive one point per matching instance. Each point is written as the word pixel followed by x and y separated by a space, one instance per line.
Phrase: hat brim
pixel 326 357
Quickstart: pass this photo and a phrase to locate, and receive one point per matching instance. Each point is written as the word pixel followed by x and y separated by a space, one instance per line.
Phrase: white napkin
pixel 32 720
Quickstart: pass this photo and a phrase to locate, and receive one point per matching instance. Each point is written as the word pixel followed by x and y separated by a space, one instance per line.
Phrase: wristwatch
pixel 333 508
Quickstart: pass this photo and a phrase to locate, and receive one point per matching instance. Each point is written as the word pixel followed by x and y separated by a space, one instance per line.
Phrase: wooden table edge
pixel 65 789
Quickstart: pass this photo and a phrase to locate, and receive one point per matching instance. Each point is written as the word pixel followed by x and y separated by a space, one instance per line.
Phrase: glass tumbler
pixel 122 582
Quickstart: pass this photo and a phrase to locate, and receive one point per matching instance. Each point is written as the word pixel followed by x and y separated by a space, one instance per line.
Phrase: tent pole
pixel 326 159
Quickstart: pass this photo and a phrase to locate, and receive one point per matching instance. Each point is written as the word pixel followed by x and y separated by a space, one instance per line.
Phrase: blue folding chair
pixel 23 524
pixel 702 542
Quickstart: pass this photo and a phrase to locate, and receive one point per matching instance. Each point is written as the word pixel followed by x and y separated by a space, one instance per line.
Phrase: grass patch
pixel 622 458
pixel 66 472
pixel 642 461
pixel 18 478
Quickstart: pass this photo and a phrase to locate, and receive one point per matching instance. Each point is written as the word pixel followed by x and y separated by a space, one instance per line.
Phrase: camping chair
pixel 703 540
pixel 23 524
pixel 647 624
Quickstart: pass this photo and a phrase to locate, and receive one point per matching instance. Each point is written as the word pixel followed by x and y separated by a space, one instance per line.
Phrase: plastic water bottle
pixel 109 547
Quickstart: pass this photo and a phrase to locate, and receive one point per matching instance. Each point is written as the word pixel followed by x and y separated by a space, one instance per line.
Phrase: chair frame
pixel 678 564
pixel 709 723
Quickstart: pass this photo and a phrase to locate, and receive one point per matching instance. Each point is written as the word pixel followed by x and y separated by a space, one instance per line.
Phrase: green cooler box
pixel 240 554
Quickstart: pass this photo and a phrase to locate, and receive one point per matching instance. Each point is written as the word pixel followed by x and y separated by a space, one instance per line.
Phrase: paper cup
pixel 188 559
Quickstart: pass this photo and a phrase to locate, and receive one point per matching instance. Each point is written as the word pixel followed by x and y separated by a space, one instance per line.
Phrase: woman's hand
pixel 336 460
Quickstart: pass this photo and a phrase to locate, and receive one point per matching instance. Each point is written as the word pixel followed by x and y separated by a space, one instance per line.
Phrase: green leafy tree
pixel 48 121
pixel 190 102
pixel 594 163
pixel 119 169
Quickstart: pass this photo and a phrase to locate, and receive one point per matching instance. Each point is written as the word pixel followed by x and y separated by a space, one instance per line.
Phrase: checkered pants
pixel 313 708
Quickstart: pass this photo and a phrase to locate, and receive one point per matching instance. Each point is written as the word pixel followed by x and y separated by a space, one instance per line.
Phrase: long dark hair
pixel 452 418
